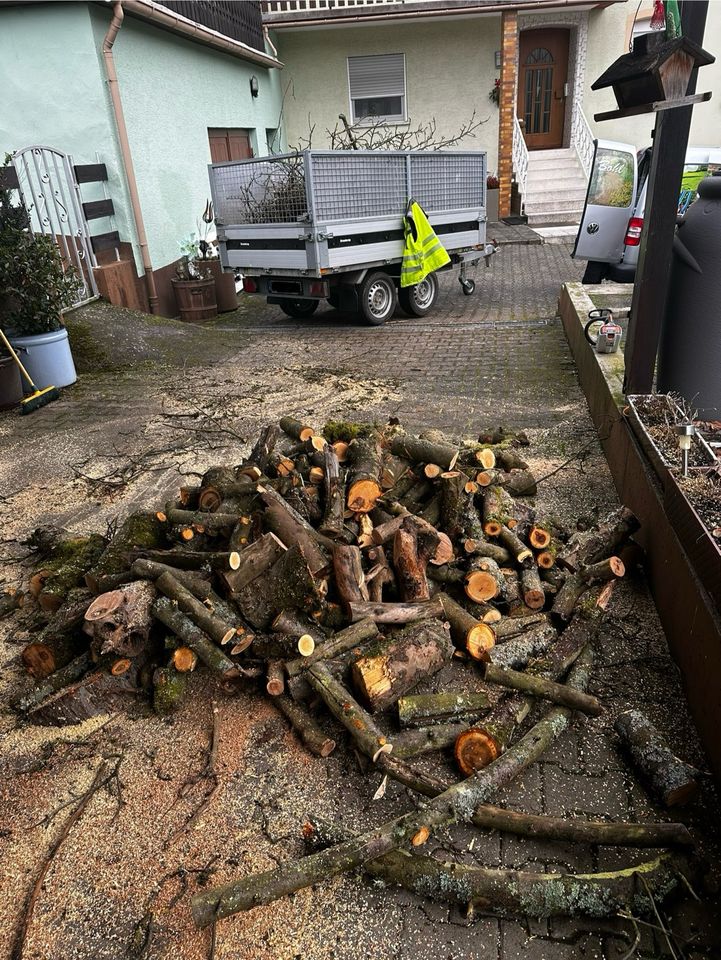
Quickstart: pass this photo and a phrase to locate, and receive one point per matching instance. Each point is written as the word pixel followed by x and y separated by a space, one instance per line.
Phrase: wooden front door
pixel 543 71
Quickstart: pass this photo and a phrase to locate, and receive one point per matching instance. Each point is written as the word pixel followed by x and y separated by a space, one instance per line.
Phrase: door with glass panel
pixel 542 76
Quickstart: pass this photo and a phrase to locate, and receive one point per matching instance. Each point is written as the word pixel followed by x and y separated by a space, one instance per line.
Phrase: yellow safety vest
pixel 423 252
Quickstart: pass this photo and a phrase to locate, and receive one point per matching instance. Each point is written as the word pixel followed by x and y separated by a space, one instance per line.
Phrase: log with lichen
pixel 139 531
pixel 669 778
pixel 65 568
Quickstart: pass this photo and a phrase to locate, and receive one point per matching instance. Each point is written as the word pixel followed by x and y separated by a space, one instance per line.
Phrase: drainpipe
pixel 126 156
pixel 266 37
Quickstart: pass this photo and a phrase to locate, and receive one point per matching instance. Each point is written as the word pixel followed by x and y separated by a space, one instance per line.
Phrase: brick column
pixel 507 108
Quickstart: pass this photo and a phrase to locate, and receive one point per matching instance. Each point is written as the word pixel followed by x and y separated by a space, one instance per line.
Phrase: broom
pixel 38 398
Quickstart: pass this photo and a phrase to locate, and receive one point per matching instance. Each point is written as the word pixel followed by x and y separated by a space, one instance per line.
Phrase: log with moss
pixel 287 585
pixel 397 663
pixel 578 583
pixel 427 708
pixel 364 472
pixel 458 802
pixel 139 531
pixel 169 689
pixel 59 641
pixel 673 781
pixel 305 726
pixel 513 893
pixel 92 694
pixel 540 687
pixel 65 568
pixel 166 610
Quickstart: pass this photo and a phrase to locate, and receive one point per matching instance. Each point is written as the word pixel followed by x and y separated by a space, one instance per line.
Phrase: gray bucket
pixel 47 358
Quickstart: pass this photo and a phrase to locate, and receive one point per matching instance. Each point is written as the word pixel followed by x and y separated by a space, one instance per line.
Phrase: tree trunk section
pixel 424 451
pixel 291 529
pixel 166 610
pixel 332 522
pixel 139 531
pixel 430 708
pixel 364 472
pixel 539 687
pixel 602 540
pixel 671 780
pixel 467 633
pixel 516 653
pixel 396 613
pixel 305 727
pixel 343 641
pixel 348 571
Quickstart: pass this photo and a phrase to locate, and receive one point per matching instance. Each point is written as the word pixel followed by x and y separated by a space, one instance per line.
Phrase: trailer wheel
pixel 420 299
pixel 299 309
pixel 377 298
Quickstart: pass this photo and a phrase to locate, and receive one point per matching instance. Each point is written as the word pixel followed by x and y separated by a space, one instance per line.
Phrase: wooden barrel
pixel 196 299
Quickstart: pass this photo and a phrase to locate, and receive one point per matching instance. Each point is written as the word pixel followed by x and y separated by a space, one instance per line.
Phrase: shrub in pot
pixel 194 284
pixel 36 289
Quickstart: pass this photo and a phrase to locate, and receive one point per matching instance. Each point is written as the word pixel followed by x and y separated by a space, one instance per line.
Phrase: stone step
pixel 535 163
pixel 543 218
pixel 537 185
pixel 559 153
pixel 560 202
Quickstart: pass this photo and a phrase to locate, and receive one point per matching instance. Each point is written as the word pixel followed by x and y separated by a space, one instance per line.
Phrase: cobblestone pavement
pixel 164 400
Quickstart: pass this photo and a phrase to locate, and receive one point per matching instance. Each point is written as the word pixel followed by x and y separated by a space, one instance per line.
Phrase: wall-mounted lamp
pixel 254 86
pixel 497 57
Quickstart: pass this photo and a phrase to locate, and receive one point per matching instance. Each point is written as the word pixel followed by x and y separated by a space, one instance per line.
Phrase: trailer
pixel 328 225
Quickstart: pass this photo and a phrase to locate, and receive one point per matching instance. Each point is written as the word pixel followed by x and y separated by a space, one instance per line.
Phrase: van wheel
pixel 595 272
pixel 420 299
pixel 299 309
pixel 377 298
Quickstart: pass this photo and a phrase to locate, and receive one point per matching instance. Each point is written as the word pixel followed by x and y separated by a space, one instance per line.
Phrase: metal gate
pixel 51 195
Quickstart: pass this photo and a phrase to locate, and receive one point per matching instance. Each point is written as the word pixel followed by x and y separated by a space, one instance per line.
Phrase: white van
pixel 609 234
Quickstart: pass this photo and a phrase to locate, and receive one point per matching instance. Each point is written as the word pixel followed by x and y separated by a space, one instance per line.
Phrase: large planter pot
pixel 492 205
pixel 47 358
pixel 225 293
pixel 11 388
pixel 196 299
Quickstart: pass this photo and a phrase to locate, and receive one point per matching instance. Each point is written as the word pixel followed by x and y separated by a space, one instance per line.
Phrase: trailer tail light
pixel 249 285
pixel 633 232
pixel 318 288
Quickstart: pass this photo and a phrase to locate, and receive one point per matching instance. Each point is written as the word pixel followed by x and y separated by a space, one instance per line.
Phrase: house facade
pixel 429 60
pixel 194 81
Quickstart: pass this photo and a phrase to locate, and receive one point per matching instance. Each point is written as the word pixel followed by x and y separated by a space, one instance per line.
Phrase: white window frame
pixel 386 120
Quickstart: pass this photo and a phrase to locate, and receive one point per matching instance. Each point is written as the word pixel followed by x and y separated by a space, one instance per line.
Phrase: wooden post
pixel 650 291
pixel 507 108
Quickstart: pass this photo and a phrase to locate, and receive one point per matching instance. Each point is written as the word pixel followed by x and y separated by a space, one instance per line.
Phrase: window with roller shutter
pixel 377 87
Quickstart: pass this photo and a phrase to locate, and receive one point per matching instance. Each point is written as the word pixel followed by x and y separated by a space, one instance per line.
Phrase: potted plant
pixel 37 287
pixel 225 293
pixel 492 198
pixel 194 284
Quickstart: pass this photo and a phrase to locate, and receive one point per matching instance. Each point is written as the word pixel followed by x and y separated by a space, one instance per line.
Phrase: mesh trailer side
pixel 448 181
pixel 350 185
pixel 269 190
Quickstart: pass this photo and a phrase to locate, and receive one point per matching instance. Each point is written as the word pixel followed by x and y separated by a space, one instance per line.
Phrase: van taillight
pixel 633 232
pixel 249 285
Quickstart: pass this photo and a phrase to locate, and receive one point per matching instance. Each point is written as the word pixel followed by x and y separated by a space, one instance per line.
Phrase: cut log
pixel 341 643
pixel 65 569
pixel 516 653
pixel 398 663
pixel 418 740
pixel 593 545
pixel 484 581
pixel 93 694
pixel 454 502
pixel 379 575
pixel 486 457
pixel 241 533
pixel 275 674
pixel 513 626
pixel 540 536
pixel 458 802
pixel 396 613
pixel 170 686
pixel 424 451
pixel 143 569
pixel 467 632
pixel 348 571
pixel 515 546
pixel 138 531
pixel 364 472
pixel 198 560
pixel 287 585
pixel 290 528
pixel 217 629
pixel 254 561
pixel 410 564
pixel 471 526
pixel 119 622
pixel 166 610
pixel 517 893
pixel 518 483
pixel 540 687
pixel 264 446
pixel 293 624
pixel 305 726
pixel 673 781
pixel 332 523
pixel 421 709
pixel 296 428
pixel 532 588
pixel 63 677
pixel 577 584
pixel 218 484
pixel 475 749
pixel 495 513
pixel 546 558
pixel 387 530
pixel 202 521
pixel 184 659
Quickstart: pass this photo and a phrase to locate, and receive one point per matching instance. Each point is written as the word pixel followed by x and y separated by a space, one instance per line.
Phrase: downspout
pixel 266 37
pixel 126 156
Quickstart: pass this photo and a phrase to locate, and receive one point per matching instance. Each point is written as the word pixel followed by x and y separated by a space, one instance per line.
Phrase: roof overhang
pixel 422 10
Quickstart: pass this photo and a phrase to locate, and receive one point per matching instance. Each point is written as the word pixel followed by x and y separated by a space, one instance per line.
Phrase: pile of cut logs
pixel 337 570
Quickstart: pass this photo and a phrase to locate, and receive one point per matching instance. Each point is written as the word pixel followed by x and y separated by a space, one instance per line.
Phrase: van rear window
pixel 612 179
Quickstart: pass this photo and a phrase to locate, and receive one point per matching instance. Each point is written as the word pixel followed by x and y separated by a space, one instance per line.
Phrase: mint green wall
pixel 173 90
pixel 53 94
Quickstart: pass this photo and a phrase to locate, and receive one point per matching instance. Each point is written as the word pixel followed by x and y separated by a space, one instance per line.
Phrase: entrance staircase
pixel 555 187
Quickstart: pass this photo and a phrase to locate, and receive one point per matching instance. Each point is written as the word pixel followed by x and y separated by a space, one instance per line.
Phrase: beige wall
pixel 608 37
pixel 449 72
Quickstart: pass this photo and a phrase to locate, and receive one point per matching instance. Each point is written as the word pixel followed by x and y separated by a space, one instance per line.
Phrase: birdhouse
pixel 655 76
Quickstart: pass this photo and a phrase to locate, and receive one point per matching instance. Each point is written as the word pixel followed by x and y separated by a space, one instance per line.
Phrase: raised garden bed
pixel 693 503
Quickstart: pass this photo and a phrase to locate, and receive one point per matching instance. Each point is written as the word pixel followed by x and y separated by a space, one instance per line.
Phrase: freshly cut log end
pixel 420 837
pixel 161 516
pixel 234 560
pixel 444 551
pixel 184 659
pixel 480 639
pixel 316 475
pixel 362 495
pixel 275 684
pixel 341 450
pixel 481 586
pixel 104 605
pixel 306 645
pixel 475 749
pixel 432 470
pixel 243 639
pixel 120 666
pixel 545 560
pixel 492 528
pixel 539 537
pixel 187 534
pixel 617 566
pixel 486 457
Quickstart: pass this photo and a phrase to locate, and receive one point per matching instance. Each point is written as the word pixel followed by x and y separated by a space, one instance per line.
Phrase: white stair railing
pixel 520 160
pixel 582 137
